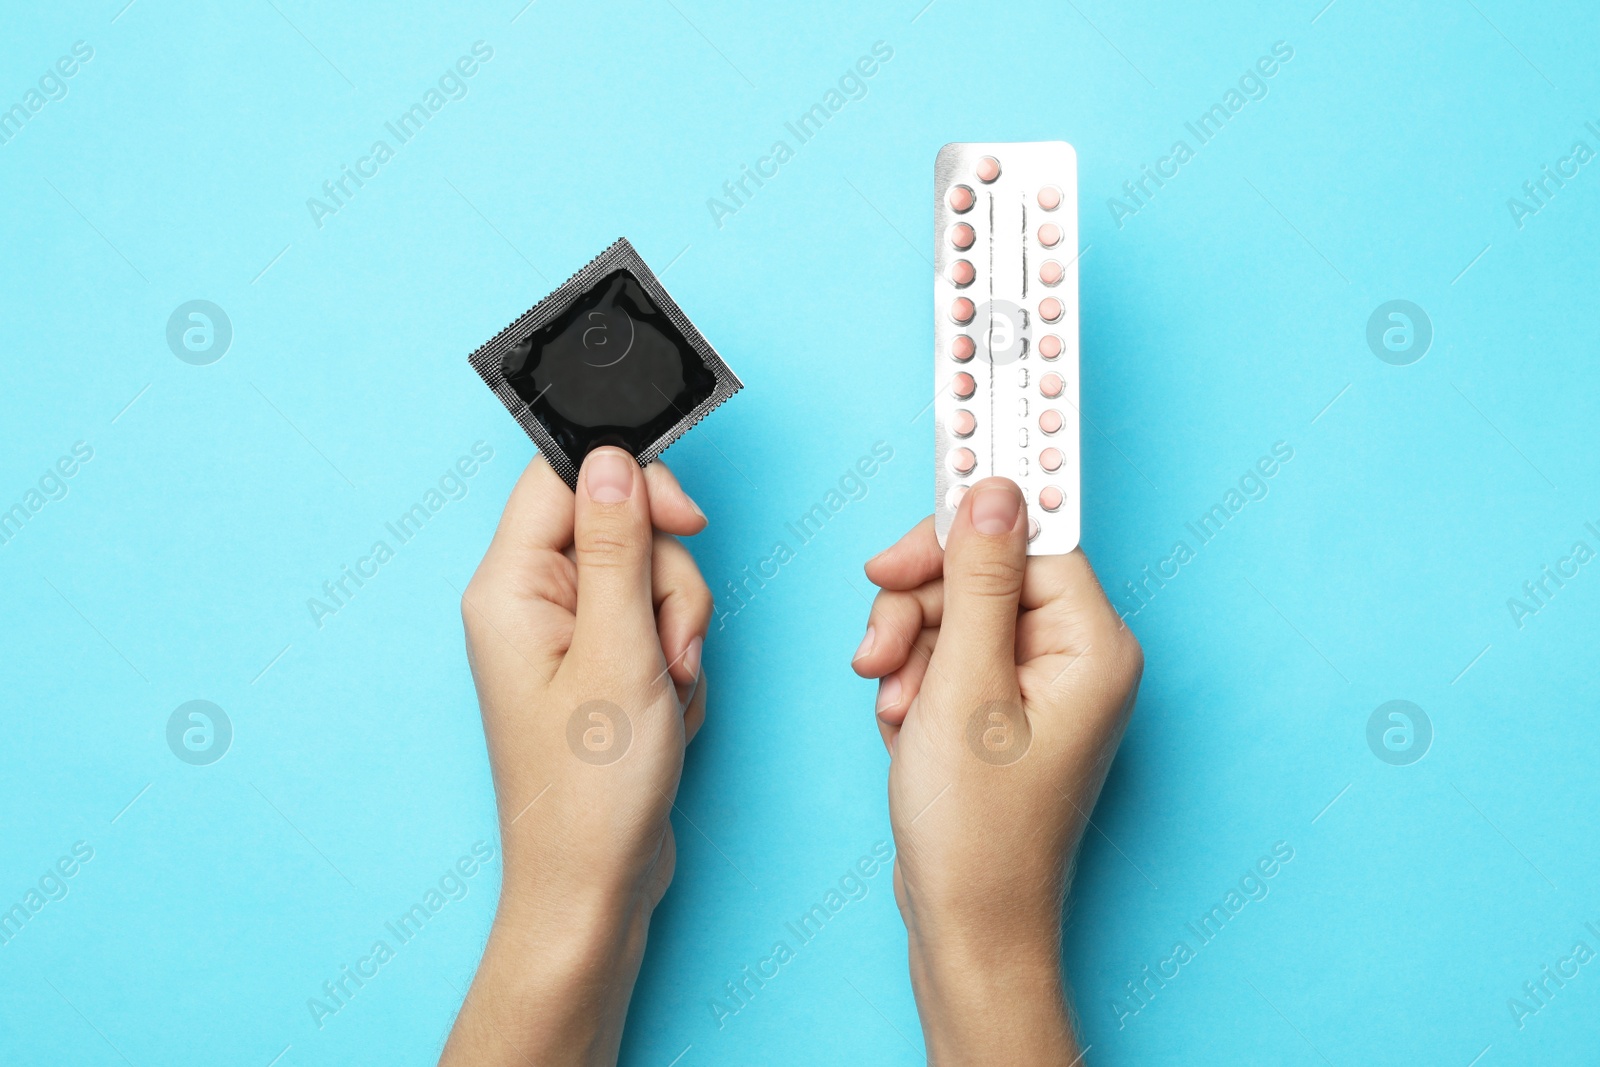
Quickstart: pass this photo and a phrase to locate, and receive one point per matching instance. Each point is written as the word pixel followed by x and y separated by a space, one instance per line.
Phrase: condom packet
pixel 608 358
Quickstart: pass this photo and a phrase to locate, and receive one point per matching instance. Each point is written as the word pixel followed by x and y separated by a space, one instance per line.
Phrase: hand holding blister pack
pixel 1005 329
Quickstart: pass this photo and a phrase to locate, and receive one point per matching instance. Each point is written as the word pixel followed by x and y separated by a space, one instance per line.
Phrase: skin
pixel 1006 684
pixel 580 598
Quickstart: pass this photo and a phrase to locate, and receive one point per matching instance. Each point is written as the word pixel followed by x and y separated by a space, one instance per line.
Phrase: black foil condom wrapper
pixel 608 358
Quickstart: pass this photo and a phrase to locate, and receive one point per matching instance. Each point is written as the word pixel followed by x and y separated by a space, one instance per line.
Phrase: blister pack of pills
pixel 1005 329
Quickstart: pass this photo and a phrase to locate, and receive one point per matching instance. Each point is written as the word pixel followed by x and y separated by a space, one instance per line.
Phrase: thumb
pixel 612 542
pixel 985 559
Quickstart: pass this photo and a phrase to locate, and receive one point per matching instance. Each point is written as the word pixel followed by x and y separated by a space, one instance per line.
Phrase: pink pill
pixel 962 236
pixel 1050 385
pixel 1049 198
pixel 962 311
pixel 988 169
pixel 1050 309
pixel 962 272
pixel 1050 459
pixel 962 461
pixel 962 348
pixel 963 422
pixel 1033 529
pixel 1049 235
pixel 960 199
pixel 1050 421
pixel 1050 346
pixel 963 386
pixel 1051 498
pixel 1050 272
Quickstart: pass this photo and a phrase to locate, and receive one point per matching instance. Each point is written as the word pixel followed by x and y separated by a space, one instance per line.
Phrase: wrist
pixel 561 977
pixel 982 928
pixel 572 943
pixel 991 999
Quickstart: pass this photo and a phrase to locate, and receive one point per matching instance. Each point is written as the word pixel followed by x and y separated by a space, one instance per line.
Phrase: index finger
pixel 912 561
pixel 538 515
pixel 1066 577
pixel 672 510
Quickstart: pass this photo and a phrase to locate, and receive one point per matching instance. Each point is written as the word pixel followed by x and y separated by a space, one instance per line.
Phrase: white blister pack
pixel 1005 331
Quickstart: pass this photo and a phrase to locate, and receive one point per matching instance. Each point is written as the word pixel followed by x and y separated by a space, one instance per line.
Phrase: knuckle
pixel 607 547
pixel 1104 625
pixel 1134 653
pixel 991 578
pixel 887 606
pixel 471 597
pixel 696 602
pixel 1127 658
pixel 679 582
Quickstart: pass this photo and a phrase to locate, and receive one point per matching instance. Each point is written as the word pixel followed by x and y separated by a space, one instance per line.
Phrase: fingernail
pixel 691 657
pixel 696 507
pixel 609 476
pixel 866 644
pixel 888 693
pixel 994 510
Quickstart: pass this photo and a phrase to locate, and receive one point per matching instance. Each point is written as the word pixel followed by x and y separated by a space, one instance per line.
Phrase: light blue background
pixel 1228 314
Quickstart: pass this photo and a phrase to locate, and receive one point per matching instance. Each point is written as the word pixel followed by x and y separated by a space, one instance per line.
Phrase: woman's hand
pixel 1006 684
pixel 585 624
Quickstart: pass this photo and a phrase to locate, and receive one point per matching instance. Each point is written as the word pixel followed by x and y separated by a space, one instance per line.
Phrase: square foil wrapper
pixel 608 358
